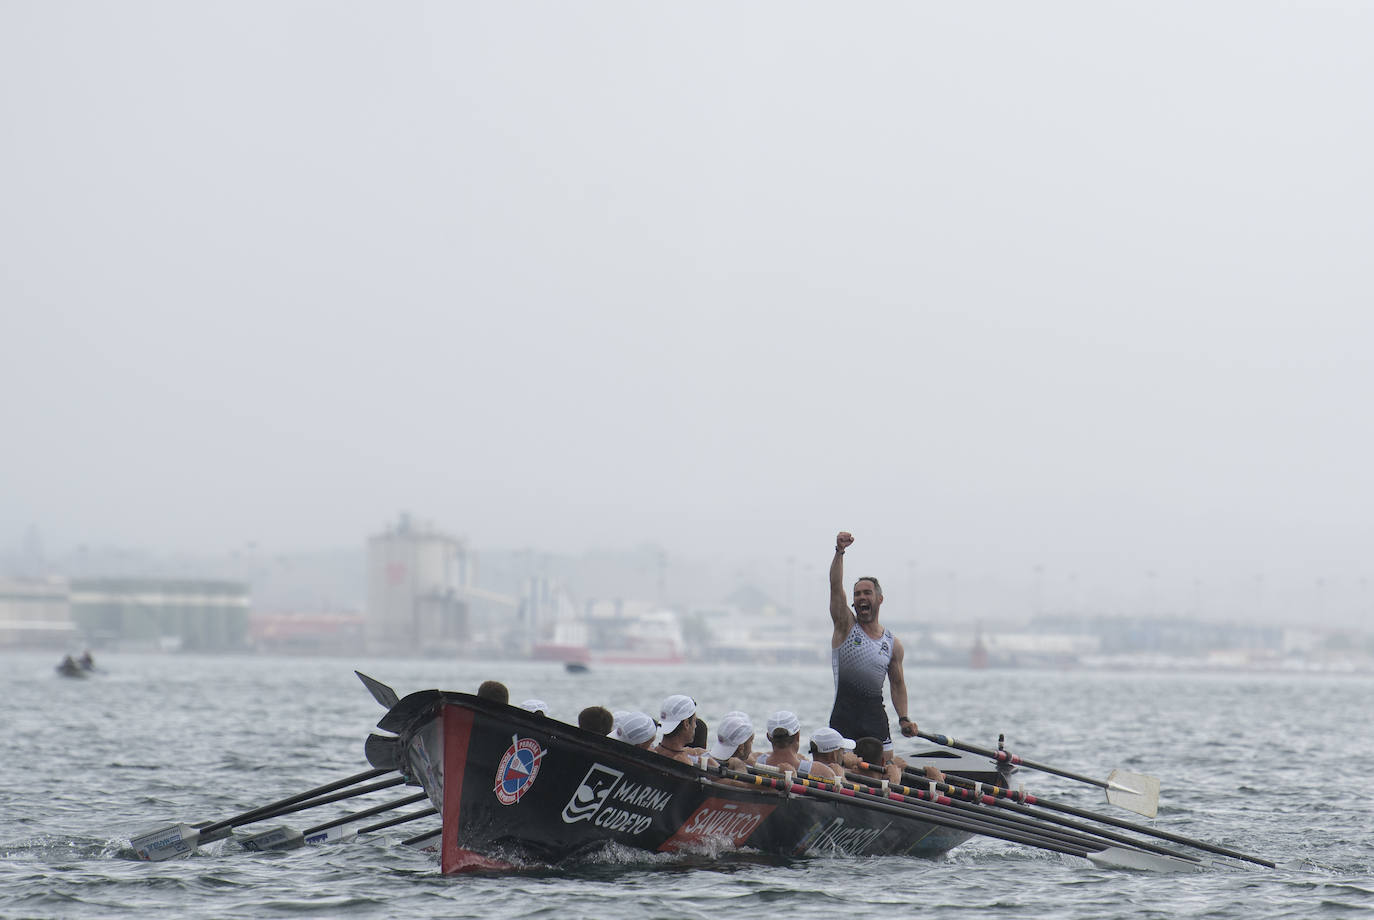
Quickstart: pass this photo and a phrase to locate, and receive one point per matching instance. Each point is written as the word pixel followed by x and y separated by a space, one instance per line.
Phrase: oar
pixel 399 803
pixel 178 839
pixel 413 816
pixel 815 789
pixel 420 839
pixel 916 796
pixel 285 838
pixel 969 798
pixel 1100 854
pixel 1141 796
pixel 965 802
pixel 326 799
pixel 1026 799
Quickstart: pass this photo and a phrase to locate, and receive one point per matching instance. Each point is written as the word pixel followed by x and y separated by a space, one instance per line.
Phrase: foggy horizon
pixel 1071 299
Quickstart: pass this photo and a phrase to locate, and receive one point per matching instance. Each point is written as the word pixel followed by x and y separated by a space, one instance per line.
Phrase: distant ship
pixel 654 637
pixel 978 655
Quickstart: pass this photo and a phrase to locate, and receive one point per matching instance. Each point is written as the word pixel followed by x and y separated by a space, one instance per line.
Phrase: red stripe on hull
pixel 457 859
pixel 457 729
pixel 457 725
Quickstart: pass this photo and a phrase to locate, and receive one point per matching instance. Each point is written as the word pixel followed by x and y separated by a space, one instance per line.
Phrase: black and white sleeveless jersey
pixel 860 665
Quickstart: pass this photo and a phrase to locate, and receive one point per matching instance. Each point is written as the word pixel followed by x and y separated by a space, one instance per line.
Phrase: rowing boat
pixel 515 789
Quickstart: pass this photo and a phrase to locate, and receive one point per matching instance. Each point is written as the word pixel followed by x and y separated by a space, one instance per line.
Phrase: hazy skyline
pixel 1069 286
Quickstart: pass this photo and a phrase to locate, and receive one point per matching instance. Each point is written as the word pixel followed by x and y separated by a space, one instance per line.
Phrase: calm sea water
pixel 1270 765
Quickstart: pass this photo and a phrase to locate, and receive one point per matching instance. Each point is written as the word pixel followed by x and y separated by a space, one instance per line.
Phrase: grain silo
pixel 415 582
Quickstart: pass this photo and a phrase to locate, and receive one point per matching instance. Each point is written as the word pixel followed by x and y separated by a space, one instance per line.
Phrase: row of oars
pixel 1137 792
pixel 179 839
pixel 991 811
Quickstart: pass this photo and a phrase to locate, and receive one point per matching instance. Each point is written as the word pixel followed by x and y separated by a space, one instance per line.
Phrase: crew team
pixel 679 734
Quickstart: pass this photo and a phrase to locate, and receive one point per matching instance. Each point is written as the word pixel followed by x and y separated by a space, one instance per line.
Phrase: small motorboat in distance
pixel 575 667
pixel 71 668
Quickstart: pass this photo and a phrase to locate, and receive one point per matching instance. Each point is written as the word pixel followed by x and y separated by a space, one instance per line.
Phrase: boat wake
pixel 53 847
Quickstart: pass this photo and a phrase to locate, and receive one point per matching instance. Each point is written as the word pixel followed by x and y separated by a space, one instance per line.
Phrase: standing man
pixel 862 654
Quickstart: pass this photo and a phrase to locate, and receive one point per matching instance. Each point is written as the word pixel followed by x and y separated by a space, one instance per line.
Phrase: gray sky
pixel 994 286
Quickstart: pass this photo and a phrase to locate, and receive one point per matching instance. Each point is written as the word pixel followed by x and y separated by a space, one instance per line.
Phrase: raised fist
pixel 843 540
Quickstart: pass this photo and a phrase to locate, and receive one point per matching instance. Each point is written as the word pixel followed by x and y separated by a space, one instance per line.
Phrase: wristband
pixel 903 719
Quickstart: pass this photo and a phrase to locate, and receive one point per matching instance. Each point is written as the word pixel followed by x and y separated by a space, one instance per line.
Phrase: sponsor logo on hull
pixel 613 803
pixel 835 837
pixel 591 793
pixel 719 820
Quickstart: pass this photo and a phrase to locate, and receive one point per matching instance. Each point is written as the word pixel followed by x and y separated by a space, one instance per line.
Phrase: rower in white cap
pixel 679 720
pixel 784 734
pixel 636 728
pixel 734 744
pixel 829 748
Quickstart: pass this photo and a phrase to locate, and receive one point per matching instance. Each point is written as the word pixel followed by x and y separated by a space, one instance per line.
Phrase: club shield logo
pixel 517 771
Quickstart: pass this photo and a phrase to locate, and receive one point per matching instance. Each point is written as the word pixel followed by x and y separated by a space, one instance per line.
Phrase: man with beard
pixel 862 654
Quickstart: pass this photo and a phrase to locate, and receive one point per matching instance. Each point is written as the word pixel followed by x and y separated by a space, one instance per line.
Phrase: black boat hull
pixel 515 789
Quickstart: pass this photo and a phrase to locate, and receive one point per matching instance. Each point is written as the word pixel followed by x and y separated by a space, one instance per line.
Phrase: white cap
pixel 784 718
pixel 615 721
pixel 734 730
pixel 635 728
pixel 538 706
pixel 827 740
pixel 676 710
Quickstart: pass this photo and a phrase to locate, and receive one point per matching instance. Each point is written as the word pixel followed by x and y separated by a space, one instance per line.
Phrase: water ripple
pixel 97 768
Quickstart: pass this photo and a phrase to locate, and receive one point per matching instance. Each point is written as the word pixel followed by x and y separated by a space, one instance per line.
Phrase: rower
pixel 870 751
pixel 678 717
pixel 495 691
pixel 829 748
pixel 784 734
pixel 701 737
pixel 734 744
pixel 596 719
pixel 636 728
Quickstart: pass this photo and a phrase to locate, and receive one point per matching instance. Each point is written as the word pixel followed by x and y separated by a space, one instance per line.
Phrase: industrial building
pixel 164 614
pixel 35 613
pixel 416 583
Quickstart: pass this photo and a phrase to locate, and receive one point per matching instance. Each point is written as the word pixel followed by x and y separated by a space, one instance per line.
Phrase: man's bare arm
pixel 896 677
pixel 840 614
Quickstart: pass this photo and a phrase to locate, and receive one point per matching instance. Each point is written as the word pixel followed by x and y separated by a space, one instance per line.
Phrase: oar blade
pixel 277 838
pixel 166 842
pixel 336 834
pixel 1128 858
pixel 1137 792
